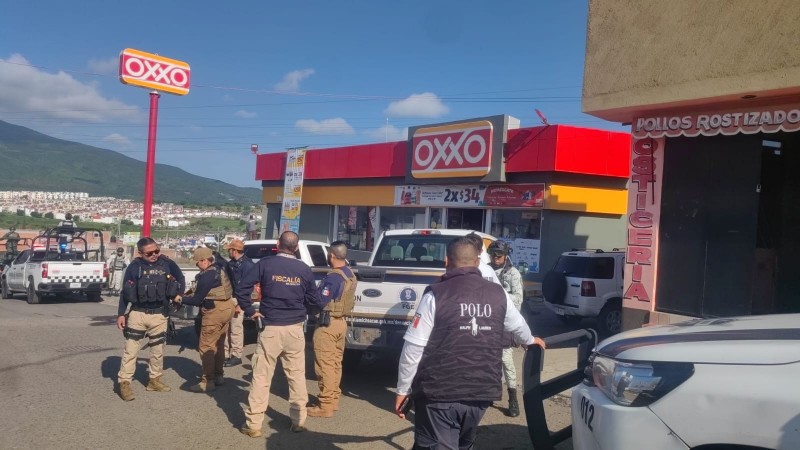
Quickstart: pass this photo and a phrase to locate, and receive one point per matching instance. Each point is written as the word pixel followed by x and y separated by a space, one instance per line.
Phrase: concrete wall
pixel 564 230
pixel 654 54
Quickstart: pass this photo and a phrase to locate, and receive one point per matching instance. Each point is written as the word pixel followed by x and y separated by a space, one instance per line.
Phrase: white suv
pixel 721 384
pixel 587 283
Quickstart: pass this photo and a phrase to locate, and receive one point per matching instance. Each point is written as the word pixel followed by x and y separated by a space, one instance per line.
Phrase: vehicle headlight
pixel 639 383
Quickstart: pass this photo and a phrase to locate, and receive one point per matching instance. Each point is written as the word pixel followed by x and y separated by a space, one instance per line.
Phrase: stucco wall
pixel 654 54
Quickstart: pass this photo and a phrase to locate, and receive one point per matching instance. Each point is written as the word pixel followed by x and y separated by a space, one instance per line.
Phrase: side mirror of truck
pixel 352 262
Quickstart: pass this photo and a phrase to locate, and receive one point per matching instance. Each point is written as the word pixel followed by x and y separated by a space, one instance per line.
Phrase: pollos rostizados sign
pixel 469 150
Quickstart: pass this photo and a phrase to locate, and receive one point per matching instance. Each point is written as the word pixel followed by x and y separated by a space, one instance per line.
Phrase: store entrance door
pixel 468 219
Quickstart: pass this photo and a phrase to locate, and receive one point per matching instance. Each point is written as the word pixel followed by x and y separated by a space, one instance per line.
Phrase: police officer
pixel 116 267
pixel 511 280
pixel 151 280
pixel 288 290
pixel 213 293
pixel 338 288
pixel 452 351
pixel 239 265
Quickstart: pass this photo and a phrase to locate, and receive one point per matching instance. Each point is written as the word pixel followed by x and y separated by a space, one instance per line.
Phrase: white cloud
pixel 117 139
pixel 291 81
pixel 105 66
pixel 243 114
pixel 388 133
pixel 28 89
pixel 426 104
pixel 327 126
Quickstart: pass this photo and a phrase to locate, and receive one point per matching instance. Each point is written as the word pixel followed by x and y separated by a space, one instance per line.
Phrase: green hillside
pixel 33 161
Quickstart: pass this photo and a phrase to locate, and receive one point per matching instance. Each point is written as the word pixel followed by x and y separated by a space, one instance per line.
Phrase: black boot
pixel 513 404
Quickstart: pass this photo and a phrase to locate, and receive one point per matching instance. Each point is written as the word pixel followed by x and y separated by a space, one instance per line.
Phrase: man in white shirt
pixel 453 348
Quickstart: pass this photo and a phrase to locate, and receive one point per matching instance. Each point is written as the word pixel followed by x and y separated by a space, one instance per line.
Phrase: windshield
pixel 426 251
pixel 258 251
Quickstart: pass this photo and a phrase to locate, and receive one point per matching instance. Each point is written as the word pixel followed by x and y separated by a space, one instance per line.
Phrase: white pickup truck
pixel 402 265
pixel 58 262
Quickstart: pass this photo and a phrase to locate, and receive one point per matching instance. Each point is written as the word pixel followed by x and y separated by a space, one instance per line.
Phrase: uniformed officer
pixel 239 265
pixel 453 349
pixel 511 280
pixel 116 268
pixel 12 239
pixel 338 288
pixel 151 280
pixel 288 290
pixel 213 293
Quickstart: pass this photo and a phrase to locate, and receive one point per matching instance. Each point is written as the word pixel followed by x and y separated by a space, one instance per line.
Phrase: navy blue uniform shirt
pixel 288 290
pixel 132 274
pixel 332 286
pixel 204 282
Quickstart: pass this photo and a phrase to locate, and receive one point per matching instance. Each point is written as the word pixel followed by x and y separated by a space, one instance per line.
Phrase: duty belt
pixel 159 310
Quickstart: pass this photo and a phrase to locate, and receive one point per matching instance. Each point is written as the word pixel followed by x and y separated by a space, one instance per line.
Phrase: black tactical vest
pixel 154 284
pixel 462 360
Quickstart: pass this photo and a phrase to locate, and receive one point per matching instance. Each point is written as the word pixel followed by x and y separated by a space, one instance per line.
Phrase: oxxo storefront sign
pixel 470 150
pixel 152 71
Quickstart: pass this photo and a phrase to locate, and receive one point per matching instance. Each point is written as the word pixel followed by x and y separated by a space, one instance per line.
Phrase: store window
pixel 436 218
pixel 402 218
pixel 355 226
pixel 516 224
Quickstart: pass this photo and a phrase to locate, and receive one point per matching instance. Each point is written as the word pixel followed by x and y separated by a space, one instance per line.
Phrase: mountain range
pixel 32 161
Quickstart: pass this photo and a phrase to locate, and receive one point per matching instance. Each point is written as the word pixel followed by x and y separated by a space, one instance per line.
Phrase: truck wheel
pixel 34 298
pixel 6 293
pixel 610 319
pixel 351 359
pixel 94 296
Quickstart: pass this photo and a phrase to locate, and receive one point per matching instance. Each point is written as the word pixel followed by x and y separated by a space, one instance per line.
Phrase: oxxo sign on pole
pixel 152 71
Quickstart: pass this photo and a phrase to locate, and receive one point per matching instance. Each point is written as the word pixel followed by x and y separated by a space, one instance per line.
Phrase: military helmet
pixel 498 248
pixel 120 250
pixel 12 228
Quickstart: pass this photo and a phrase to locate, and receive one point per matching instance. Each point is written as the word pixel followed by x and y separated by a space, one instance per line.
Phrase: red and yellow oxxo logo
pixel 154 72
pixel 457 150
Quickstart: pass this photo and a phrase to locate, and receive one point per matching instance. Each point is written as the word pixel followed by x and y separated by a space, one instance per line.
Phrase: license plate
pixel 368 335
pixel 74 285
pixel 558 311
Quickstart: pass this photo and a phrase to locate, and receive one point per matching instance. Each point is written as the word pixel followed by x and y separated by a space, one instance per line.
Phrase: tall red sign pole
pixel 151 163
pixel 152 71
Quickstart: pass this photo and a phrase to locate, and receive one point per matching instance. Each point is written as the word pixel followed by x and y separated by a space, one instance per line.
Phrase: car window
pixel 318 257
pixel 256 252
pixel 582 267
pixel 22 257
pixel 413 251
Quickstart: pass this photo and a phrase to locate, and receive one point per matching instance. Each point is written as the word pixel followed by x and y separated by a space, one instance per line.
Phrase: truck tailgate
pixel 74 273
pixel 390 296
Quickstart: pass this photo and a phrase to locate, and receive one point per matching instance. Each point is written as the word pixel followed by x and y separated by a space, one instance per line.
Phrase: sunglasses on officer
pixel 153 253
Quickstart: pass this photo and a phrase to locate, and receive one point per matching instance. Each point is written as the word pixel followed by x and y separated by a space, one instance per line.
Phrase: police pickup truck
pixel 60 261
pixel 402 265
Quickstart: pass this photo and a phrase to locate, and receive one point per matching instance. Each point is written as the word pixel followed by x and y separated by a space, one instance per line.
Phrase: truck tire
pixel 609 321
pixel 351 359
pixel 94 296
pixel 34 298
pixel 6 293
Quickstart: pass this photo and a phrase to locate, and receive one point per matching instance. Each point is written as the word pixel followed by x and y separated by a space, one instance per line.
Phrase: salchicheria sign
pixel 767 119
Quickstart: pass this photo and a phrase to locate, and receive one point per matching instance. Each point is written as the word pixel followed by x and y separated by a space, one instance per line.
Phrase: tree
pixel 36 214
pixel 76 218
pixel 21 212
pixel 126 222
pixel 49 215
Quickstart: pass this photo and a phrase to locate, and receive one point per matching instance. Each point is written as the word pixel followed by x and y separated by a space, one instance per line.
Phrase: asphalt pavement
pixel 59 362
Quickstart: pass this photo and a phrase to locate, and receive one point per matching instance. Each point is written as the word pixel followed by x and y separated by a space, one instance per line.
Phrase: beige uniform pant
pixel 154 326
pixel 213 329
pixel 115 280
pixel 287 343
pixel 234 338
pixel 328 353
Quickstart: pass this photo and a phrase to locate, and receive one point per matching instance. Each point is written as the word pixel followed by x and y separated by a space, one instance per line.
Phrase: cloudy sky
pixel 318 74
